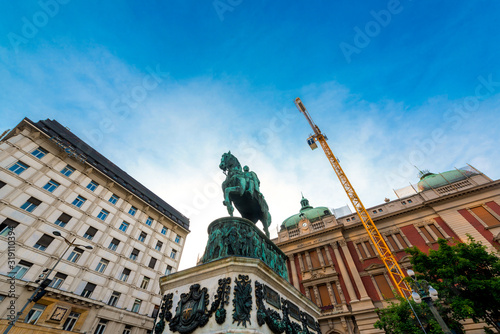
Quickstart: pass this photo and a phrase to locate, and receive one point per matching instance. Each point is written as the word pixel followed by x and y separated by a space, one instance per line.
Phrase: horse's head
pixel 229 162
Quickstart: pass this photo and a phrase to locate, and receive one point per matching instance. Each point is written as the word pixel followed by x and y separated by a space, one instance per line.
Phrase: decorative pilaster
pixel 343 271
pixel 316 294
pixel 354 271
pixel 308 261
pixel 295 277
pixel 320 256
pixel 328 256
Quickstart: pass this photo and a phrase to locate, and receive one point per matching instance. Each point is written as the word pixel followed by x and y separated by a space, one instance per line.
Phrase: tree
pixel 398 318
pixel 467 278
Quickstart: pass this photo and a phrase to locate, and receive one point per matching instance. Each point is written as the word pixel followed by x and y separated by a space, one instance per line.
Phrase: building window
pixel 90 233
pixel 63 220
pixel 177 238
pixel 374 211
pixel 127 329
pixel 43 242
pixel 145 282
pixel 7 226
pixel 396 241
pixel 168 271
pixel 34 314
pixel 485 216
pixel 20 270
pixel 313 255
pixel 155 312
pixel 67 171
pixel 39 153
pixel 324 295
pixel 102 265
pixel 18 167
pixel 103 215
pixel 383 286
pixel 142 237
pixel 134 254
pixel 124 226
pixel 101 326
pixel 159 245
pixel 114 244
pixel 70 321
pixel 31 204
pixel 164 230
pixel 87 291
pixel 336 293
pixel 380 210
pixel 113 199
pixel 75 255
pixel 58 280
pixel 124 275
pixel 78 201
pixel 365 249
pixel 173 254
pixel 426 232
pixel 149 221
pixel 410 201
pixel 152 263
pixel 132 211
pixel 113 300
pixel 137 306
pixel 51 186
pixel 92 185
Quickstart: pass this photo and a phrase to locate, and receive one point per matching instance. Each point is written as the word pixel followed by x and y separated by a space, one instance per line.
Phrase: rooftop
pixel 58 132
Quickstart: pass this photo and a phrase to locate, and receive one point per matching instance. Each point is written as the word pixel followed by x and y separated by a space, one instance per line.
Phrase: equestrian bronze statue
pixel 242 188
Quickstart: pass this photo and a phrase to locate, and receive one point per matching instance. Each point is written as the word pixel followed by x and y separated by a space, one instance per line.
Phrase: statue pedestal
pixel 240 287
pixel 233 295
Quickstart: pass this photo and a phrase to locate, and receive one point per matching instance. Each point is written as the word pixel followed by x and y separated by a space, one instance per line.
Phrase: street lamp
pixel 40 290
pixel 428 294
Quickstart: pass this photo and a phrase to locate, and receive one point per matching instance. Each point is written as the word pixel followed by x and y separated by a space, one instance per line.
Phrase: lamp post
pixel 40 290
pixel 428 294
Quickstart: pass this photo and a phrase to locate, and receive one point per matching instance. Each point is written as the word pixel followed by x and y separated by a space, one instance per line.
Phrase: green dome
pixel 306 211
pixel 431 180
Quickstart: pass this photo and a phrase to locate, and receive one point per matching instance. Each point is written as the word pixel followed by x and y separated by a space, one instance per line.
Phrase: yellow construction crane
pixel 383 250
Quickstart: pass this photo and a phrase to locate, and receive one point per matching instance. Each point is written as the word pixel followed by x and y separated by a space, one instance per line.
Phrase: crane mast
pixel 383 250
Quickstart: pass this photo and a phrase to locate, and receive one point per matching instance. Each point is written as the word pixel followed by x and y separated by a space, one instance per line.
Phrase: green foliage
pixel 467 278
pixel 398 318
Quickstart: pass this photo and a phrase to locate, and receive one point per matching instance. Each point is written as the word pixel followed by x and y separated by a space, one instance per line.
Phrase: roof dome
pixel 430 180
pixel 306 211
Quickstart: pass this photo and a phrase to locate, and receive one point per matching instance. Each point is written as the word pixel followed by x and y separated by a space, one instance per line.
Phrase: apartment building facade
pixel 114 237
pixel 333 262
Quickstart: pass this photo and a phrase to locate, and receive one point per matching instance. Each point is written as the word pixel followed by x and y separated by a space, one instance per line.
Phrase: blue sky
pixel 163 88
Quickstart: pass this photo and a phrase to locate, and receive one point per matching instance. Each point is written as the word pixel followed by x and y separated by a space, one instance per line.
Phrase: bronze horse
pixel 241 188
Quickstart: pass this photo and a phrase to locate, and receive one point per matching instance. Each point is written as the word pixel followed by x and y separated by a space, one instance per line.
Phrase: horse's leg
pixel 227 201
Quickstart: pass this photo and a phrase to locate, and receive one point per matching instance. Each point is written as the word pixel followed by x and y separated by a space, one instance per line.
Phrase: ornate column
pixel 343 271
pixel 320 256
pixel 316 294
pixel 330 293
pixel 295 277
pixel 308 261
pixel 308 295
pixel 301 263
pixel 328 256
pixel 354 271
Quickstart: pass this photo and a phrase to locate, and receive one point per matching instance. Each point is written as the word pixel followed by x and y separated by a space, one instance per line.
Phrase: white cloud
pixel 173 140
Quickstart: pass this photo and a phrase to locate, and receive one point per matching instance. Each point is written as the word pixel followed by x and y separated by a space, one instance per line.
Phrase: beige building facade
pixel 50 180
pixel 333 262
